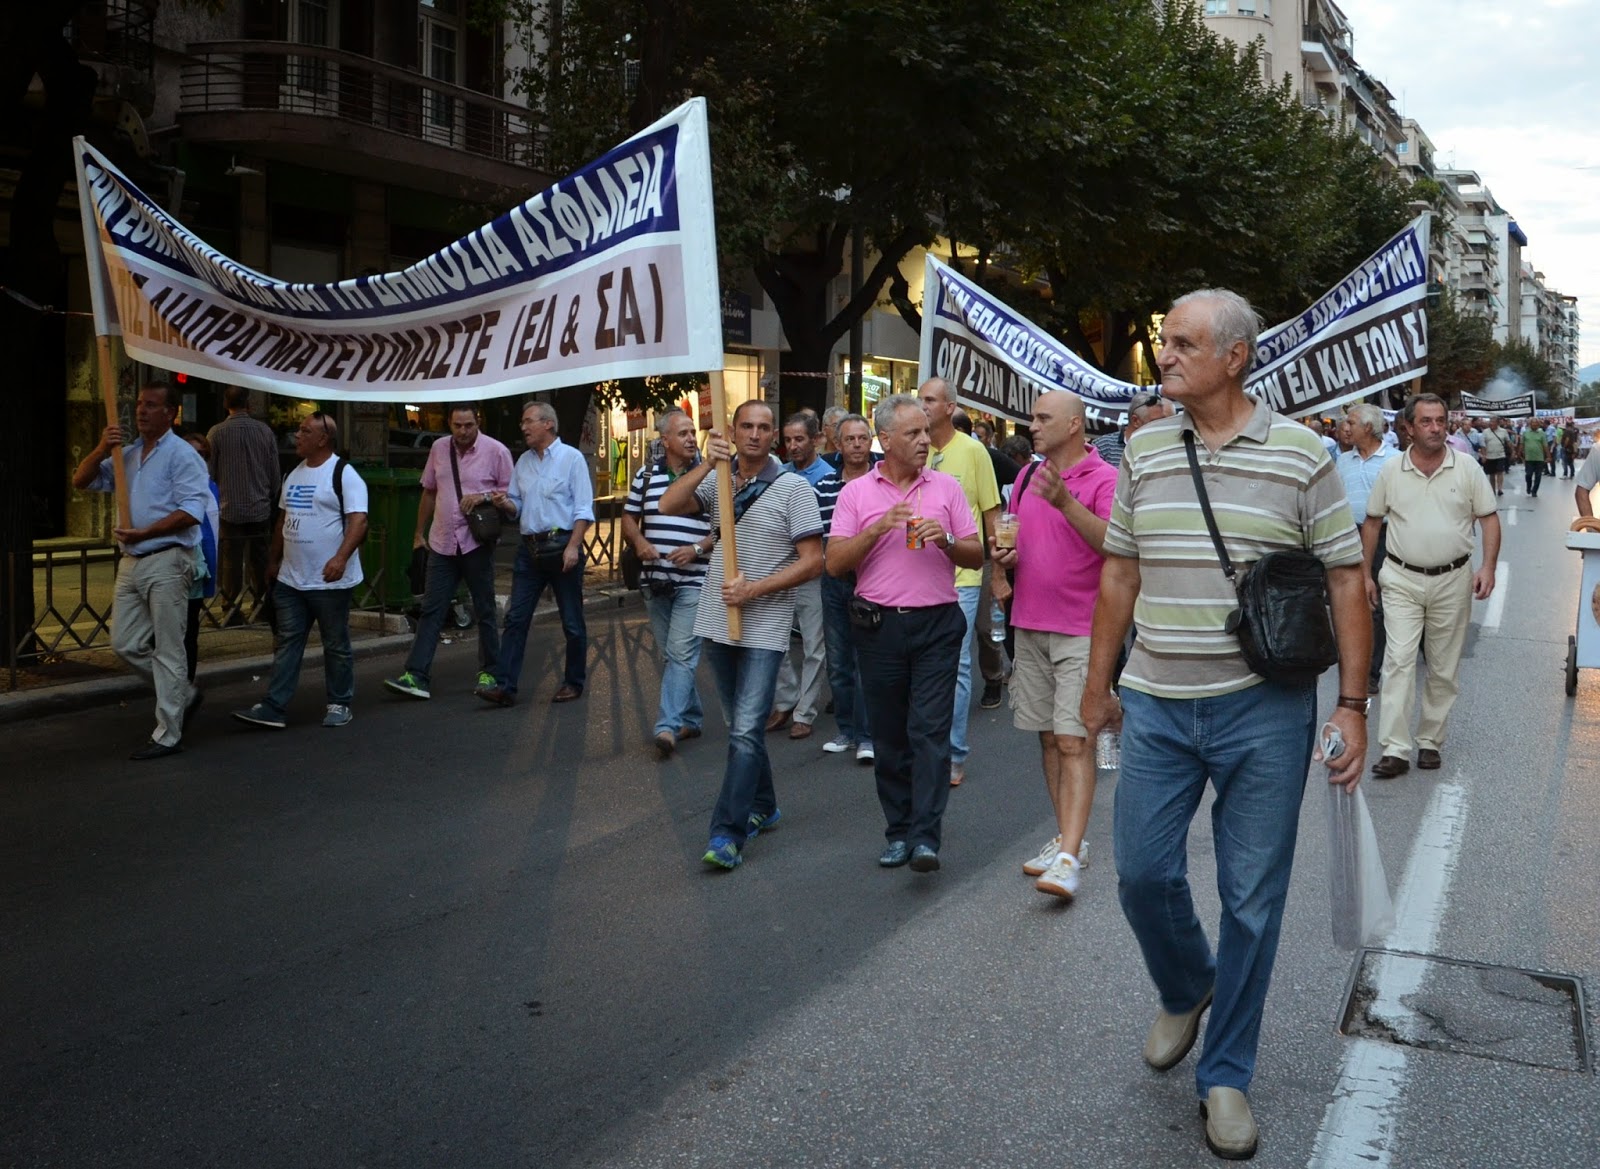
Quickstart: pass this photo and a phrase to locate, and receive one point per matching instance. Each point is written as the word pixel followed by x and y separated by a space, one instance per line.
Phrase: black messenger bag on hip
pixel 1284 620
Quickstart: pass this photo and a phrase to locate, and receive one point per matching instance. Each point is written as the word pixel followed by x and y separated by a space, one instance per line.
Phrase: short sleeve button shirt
pixel 967 459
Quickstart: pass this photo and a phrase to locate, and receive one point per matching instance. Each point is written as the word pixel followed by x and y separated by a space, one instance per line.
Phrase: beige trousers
pixel 148 619
pixel 1431 611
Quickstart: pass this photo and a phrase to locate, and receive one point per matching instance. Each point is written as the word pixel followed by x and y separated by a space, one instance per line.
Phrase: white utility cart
pixel 1583 647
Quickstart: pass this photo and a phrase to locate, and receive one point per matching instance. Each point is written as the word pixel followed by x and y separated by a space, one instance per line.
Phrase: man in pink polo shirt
pixel 899 528
pixel 1062 506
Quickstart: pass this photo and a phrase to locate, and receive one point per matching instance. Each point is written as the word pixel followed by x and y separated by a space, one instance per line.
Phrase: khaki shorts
pixel 1047 682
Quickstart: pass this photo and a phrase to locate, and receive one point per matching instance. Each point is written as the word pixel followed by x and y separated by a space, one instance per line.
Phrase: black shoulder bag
pixel 483 521
pixel 1284 621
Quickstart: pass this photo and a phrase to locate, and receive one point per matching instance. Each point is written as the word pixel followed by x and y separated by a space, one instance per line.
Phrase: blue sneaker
pixel 723 852
pixel 760 823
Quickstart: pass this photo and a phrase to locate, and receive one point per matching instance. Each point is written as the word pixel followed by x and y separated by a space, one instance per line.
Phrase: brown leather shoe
pixel 777 720
pixel 685 733
pixel 800 731
pixel 567 693
pixel 1428 759
pixel 666 744
pixel 496 695
pixel 1390 766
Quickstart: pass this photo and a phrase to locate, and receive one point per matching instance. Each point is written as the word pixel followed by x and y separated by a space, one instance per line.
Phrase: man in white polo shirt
pixel 1431 497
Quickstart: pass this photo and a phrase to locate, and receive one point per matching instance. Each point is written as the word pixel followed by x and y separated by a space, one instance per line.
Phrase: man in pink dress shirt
pixel 484 466
pixel 1062 506
pixel 899 528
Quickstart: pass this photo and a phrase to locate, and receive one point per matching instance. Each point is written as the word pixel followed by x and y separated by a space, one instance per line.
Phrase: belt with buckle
pixel 1439 570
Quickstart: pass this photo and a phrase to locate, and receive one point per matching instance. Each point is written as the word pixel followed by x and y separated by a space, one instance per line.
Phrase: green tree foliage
pixel 1126 153
pixel 1522 359
pixel 1461 350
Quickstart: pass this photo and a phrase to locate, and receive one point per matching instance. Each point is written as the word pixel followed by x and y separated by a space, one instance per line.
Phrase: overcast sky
pixel 1510 91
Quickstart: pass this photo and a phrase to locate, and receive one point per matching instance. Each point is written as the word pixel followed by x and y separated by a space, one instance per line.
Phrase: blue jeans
pixel 746 679
pixel 967 596
pixel 527 586
pixel 672 622
pixel 1255 747
pixel 844 669
pixel 444 574
pixel 296 609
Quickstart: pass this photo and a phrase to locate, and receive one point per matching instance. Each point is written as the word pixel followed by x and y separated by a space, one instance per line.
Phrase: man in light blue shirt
pixel 1359 469
pixel 552 498
pixel 167 493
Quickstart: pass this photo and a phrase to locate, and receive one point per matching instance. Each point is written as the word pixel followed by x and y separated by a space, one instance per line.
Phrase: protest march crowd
pixel 887 555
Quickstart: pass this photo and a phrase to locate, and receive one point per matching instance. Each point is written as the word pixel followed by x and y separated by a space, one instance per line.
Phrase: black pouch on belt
pixel 865 614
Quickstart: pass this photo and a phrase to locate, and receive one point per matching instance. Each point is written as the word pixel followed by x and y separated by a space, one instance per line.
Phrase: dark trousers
pixel 191 635
pixel 1532 475
pixel 528 582
pixel 1379 640
pixel 242 559
pixel 444 574
pixel 908 670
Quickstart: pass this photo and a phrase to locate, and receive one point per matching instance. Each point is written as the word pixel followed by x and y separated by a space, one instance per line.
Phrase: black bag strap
pixel 1205 506
pixel 339 465
pixel 1017 489
pixel 455 471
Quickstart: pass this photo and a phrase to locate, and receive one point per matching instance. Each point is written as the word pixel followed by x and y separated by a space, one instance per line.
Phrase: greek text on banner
pixel 1367 333
pixel 611 272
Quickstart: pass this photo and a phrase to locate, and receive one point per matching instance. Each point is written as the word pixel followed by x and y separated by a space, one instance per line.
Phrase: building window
pixel 438 52
pixel 1266 66
pixel 1216 7
pixel 309 79
pixel 1247 7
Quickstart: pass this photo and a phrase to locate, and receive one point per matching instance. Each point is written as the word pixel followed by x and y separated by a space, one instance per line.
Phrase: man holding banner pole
pixel 779 530
pixel 168 494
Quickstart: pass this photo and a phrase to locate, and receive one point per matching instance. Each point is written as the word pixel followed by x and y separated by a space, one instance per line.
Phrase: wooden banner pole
pixel 730 545
pixel 108 395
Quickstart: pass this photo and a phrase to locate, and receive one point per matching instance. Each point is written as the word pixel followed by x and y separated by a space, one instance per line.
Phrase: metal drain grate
pixel 1528 1017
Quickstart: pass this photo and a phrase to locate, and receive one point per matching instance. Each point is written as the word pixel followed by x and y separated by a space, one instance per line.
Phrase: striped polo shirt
pixel 786 511
pixel 1272 487
pixel 828 492
pixel 666 532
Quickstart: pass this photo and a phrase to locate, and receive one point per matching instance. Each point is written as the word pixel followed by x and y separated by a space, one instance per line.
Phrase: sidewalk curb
pixel 76 696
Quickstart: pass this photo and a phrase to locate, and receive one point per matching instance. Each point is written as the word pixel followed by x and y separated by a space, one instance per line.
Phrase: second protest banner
pixel 1367 333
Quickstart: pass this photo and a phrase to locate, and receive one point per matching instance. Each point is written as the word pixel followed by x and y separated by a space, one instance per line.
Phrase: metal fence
pixel 75 587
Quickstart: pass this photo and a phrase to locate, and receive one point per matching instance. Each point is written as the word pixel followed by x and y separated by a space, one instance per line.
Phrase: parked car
pixel 409 448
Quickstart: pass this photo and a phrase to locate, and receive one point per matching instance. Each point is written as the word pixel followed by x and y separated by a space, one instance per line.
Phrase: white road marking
pixel 1497 600
pixel 1511 516
pixel 1360 1123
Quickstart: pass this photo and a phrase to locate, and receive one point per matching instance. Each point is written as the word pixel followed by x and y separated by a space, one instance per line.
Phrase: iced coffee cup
pixel 1005 530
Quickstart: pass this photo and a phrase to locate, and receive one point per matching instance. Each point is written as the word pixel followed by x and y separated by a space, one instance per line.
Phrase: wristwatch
pixel 1359 705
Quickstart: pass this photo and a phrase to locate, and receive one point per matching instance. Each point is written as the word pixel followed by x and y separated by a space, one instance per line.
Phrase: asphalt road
pixel 450 935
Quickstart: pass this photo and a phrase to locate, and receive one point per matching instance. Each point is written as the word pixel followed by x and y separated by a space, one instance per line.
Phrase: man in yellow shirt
pixel 968 460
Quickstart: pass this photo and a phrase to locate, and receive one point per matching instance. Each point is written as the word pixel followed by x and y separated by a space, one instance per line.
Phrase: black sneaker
pixel 991 695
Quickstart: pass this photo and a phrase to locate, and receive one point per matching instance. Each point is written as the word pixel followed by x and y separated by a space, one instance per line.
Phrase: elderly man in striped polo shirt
pixel 1191 709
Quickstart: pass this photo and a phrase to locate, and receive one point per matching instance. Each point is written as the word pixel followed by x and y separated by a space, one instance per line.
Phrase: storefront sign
pixel 1365 334
pixel 736 310
pixel 609 273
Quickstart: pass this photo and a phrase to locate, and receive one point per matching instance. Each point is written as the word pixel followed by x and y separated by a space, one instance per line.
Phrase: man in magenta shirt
pixel 469 470
pixel 899 528
pixel 1062 506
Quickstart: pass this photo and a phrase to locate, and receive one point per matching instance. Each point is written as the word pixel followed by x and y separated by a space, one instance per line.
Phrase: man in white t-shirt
pixel 314 569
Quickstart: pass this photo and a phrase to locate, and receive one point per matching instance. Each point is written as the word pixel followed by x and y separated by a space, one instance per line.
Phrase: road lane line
pixel 1360 1123
pixel 1511 516
pixel 1497 600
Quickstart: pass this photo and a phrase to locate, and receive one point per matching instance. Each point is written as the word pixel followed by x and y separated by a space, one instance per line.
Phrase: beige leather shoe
pixel 1171 1036
pixel 1230 1129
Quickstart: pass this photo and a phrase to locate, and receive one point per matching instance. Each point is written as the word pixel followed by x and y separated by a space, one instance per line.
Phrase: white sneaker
pixel 337 715
pixel 1061 878
pixel 864 752
pixel 837 745
pixel 1036 866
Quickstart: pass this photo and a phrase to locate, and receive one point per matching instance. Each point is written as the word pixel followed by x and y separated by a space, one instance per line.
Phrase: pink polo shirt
pixel 891 573
pixel 1058 573
pixel 485 466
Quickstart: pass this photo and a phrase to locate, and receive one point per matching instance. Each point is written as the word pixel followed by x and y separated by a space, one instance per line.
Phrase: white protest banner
pixel 1367 333
pixel 1517 406
pixel 611 272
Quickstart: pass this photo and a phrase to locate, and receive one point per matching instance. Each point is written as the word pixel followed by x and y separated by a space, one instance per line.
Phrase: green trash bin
pixel 394 495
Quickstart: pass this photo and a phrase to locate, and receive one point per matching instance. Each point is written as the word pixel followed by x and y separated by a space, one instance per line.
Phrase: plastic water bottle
pixel 997 622
pixel 1108 751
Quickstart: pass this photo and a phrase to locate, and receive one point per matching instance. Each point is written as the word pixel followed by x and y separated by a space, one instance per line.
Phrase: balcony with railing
pixel 349 113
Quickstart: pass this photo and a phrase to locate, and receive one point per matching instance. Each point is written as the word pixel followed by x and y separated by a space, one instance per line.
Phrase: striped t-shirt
pixel 1272 487
pixel 786 511
pixel 666 532
pixel 828 493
